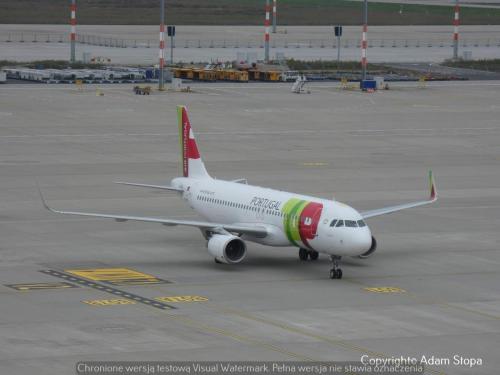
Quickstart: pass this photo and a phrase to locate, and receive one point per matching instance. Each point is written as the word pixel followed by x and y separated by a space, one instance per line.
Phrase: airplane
pixel 236 212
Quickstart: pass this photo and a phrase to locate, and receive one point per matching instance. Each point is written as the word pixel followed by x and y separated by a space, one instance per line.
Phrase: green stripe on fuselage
pixel 292 210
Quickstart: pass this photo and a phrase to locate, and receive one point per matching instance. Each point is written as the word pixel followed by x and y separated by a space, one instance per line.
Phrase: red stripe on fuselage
pixel 309 221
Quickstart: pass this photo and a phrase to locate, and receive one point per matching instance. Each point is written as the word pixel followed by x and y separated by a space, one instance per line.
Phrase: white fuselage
pixel 290 219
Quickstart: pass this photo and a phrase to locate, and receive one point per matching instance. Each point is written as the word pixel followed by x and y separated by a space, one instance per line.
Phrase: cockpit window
pixel 334 221
pixel 340 223
pixel 351 223
pixel 361 223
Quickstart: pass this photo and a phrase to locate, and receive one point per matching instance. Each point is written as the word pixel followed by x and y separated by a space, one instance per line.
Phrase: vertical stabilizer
pixel 192 165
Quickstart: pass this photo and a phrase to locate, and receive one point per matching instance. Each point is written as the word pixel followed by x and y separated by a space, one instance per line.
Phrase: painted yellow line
pixel 337 342
pixel 116 276
pixel 245 339
pixel 182 299
pixel 474 311
pixel 109 274
pixel 289 328
pixel 431 301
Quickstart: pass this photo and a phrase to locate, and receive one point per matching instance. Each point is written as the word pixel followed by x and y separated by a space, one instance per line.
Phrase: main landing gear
pixel 335 272
pixel 304 254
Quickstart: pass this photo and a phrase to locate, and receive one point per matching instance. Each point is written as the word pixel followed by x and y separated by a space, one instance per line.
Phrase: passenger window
pixel 334 221
pixel 340 223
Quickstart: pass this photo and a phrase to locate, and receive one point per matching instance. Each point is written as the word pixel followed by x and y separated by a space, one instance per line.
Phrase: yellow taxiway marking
pixel 182 299
pixel 385 289
pixel 109 302
pixel 299 330
pixel 117 276
pixel 39 286
pixel 117 292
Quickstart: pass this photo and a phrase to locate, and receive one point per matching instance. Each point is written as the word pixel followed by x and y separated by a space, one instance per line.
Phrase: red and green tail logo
pixel 301 221
pixel 189 149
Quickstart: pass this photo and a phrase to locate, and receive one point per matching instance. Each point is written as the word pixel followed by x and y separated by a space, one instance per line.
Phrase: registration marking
pixel 176 299
pixel 109 302
pixel 385 289
pixel 41 286
pixel 117 276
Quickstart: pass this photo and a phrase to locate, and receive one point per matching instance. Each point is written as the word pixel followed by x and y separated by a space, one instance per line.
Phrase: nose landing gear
pixel 311 254
pixel 336 271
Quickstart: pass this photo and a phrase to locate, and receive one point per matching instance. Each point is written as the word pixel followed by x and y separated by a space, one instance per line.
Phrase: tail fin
pixel 432 184
pixel 192 165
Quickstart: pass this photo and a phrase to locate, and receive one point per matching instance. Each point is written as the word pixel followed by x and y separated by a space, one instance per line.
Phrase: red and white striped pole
pixel 162 46
pixel 274 16
pixel 364 43
pixel 456 22
pixel 266 35
pixel 72 36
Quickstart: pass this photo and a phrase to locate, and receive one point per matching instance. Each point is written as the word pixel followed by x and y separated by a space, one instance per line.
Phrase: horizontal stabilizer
pixel 241 181
pixel 161 187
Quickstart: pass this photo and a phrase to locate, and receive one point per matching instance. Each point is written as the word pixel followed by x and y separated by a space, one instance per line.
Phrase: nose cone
pixel 360 242
pixel 364 241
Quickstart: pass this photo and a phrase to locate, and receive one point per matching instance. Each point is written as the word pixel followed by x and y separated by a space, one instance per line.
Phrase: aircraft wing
pixel 404 206
pixel 256 230
pixel 161 187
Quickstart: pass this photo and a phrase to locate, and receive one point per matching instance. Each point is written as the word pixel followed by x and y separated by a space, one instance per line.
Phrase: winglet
pixel 432 186
pixel 43 199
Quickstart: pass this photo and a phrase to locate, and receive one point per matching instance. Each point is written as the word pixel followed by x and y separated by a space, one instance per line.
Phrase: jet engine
pixel 370 251
pixel 227 248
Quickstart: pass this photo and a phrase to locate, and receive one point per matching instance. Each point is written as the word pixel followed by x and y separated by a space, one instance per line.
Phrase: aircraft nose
pixel 362 242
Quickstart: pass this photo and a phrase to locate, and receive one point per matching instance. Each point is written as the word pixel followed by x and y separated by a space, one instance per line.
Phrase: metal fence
pixel 97 40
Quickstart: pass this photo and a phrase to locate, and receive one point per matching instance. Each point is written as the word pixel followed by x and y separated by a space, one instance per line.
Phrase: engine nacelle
pixel 370 251
pixel 226 248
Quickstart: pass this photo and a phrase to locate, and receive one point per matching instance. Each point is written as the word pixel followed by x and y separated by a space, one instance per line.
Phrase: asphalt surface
pixel 435 273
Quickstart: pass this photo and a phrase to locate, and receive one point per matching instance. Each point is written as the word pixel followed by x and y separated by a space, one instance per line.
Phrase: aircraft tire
pixel 313 255
pixel 335 273
pixel 303 254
